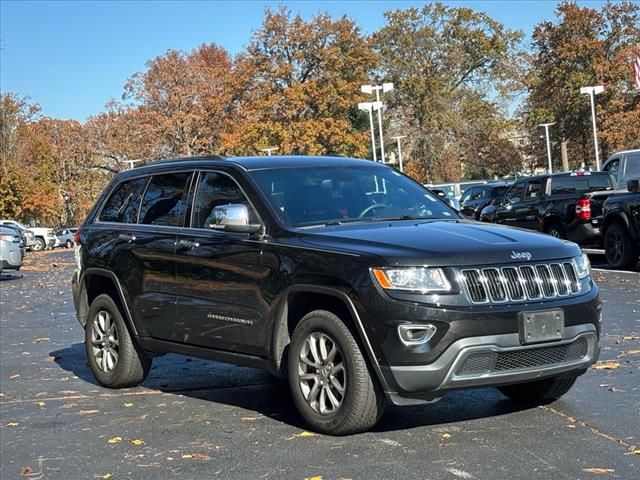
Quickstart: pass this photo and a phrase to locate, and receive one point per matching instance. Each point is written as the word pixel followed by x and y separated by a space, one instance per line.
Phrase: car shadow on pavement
pixel 258 391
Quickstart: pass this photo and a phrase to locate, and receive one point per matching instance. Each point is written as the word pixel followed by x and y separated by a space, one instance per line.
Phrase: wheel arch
pixel 97 281
pixel 299 300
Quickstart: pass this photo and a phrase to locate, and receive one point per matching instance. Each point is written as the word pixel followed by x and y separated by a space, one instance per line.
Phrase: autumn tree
pixel 586 46
pixel 450 66
pixel 305 81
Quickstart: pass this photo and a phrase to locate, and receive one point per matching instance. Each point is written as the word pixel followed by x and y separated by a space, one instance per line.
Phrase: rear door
pixel 506 213
pixel 218 275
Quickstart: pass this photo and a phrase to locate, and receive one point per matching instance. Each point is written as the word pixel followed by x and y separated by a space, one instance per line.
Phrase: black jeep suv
pixel 344 276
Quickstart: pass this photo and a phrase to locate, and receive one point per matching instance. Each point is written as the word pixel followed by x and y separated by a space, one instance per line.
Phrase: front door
pixel 218 275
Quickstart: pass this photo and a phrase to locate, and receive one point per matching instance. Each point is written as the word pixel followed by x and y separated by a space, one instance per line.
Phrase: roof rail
pixel 182 159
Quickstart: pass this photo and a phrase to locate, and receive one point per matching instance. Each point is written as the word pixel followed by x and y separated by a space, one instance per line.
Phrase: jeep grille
pixel 520 283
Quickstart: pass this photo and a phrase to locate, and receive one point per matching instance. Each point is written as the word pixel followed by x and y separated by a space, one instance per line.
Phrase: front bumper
pixel 497 360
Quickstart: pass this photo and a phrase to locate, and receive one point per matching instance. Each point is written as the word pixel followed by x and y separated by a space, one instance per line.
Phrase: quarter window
pixel 164 201
pixel 124 202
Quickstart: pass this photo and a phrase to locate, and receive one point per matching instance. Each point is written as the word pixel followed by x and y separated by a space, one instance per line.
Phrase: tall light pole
pixel 398 138
pixel 591 91
pixel 131 162
pixel 385 87
pixel 369 107
pixel 546 132
pixel 269 150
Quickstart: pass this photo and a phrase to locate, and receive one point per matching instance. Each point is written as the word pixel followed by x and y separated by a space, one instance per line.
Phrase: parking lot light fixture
pixel 398 138
pixel 369 89
pixel 269 150
pixel 546 132
pixel 369 107
pixel 592 91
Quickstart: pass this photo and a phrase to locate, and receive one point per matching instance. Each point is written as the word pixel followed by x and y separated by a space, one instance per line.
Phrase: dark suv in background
pixel 563 205
pixel 474 199
pixel 344 276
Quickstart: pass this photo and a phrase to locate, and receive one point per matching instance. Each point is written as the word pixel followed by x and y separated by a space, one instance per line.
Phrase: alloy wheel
pixel 615 247
pixel 105 344
pixel 321 372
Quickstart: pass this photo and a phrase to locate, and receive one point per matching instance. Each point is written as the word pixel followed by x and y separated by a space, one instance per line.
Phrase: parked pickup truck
pixel 621 227
pixel 563 205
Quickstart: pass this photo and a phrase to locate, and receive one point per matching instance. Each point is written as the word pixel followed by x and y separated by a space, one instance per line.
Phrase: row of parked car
pixel 16 239
pixel 593 209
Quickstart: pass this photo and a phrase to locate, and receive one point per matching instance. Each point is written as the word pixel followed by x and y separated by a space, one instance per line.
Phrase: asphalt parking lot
pixel 197 419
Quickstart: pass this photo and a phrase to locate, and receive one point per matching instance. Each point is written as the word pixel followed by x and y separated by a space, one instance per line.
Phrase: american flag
pixel 636 70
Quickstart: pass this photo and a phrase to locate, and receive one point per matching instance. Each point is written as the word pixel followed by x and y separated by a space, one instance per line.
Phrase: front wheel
pixel 69 244
pixel 539 391
pixel 330 381
pixel 39 245
pixel 619 248
pixel 115 360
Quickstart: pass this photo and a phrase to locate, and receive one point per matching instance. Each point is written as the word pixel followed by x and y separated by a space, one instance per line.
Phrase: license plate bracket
pixel 541 326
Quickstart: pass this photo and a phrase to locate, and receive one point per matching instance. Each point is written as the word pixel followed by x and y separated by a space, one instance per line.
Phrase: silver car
pixel 10 251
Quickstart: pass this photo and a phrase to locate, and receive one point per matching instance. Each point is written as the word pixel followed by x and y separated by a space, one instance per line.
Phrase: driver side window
pixel 215 189
pixel 514 195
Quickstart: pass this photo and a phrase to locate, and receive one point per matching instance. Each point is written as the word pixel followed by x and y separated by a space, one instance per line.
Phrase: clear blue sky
pixel 71 57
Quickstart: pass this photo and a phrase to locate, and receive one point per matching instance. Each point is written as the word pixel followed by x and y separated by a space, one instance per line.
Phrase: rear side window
pixel 580 183
pixel 632 168
pixel 164 202
pixel 124 202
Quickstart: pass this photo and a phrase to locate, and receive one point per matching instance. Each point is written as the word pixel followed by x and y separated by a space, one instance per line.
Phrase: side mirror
pixel 633 186
pixel 233 218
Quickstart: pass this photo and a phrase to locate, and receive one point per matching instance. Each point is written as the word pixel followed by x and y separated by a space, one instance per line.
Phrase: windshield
pixel 329 195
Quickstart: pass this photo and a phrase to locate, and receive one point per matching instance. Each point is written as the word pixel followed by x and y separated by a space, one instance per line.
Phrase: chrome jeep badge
pixel 521 255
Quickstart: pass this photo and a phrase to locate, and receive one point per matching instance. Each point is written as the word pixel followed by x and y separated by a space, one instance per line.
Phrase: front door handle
pixel 188 244
pixel 127 237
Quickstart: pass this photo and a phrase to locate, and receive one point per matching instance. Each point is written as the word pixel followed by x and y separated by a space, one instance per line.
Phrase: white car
pixel 43 237
pixel 64 237
pixel 10 251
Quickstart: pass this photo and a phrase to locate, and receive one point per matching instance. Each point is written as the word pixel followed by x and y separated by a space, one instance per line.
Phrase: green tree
pixel 451 67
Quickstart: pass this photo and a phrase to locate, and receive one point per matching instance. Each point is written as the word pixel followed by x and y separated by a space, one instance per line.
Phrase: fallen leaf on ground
pixel 25 471
pixel 606 365
pixel 250 419
pixel 69 405
pixel 114 440
pixel 305 434
pixel 598 470
pixel 137 441
pixel 571 425
pixel 194 456
pixel 15 375
pixel 42 404
pixel 636 451
pixel 446 435
pixel 87 412
pixel 41 339
pixel 128 404
pixel 105 476
pixel 12 424
pixel 631 352
pixel 318 477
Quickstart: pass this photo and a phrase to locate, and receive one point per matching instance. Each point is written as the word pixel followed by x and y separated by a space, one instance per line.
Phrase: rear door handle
pixel 188 244
pixel 128 237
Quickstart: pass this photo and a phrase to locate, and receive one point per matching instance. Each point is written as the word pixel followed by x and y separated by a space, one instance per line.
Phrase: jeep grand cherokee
pixel 344 276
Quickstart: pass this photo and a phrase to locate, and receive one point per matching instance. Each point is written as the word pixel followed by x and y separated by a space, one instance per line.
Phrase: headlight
pixel 583 265
pixel 423 279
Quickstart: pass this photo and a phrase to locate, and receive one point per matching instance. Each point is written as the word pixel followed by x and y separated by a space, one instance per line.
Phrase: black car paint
pixel 181 299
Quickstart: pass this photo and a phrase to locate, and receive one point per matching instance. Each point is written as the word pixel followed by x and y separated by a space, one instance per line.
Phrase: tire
pixel 539 391
pixel 619 248
pixel 129 366
pixel 555 230
pixel 69 244
pixel 39 245
pixel 361 403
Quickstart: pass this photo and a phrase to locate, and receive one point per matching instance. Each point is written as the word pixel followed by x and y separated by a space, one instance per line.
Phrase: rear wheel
pixel 619 248
pixel 540 391
pixel 555 230
pixel 69 243
pixel 330 381
pixel 115 360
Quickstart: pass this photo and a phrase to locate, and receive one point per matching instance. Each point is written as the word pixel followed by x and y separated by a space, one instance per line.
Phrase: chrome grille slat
pixel 520 283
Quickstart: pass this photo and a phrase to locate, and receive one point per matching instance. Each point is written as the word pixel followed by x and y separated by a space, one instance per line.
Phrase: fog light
pixel 412 335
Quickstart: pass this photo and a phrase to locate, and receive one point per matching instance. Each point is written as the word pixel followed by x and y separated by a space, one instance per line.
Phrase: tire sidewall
pixel 39 245
pixel 324 322
pixel 558 229
pixel 104 302
pixel 627 252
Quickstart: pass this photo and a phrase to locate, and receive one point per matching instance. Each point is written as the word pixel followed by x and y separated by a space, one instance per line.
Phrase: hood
pixel 441 242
